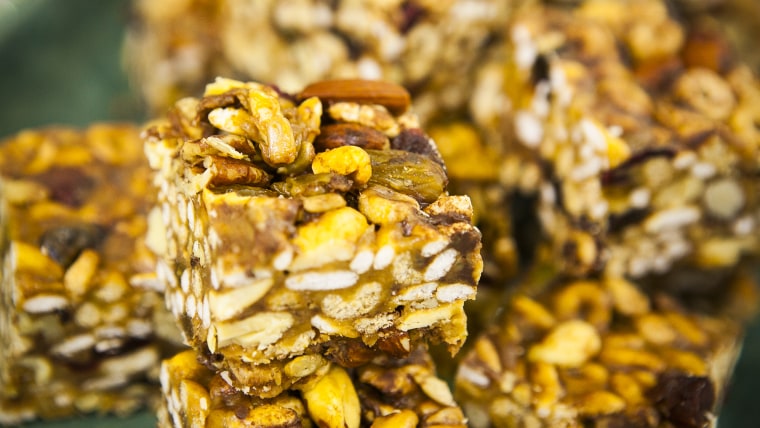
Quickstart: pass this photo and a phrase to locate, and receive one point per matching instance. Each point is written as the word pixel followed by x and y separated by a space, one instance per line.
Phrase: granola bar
pixel 308 229
pixel 80 312
pixel 401 393
pixel 604 353
pixel 429 47
pixel 647 154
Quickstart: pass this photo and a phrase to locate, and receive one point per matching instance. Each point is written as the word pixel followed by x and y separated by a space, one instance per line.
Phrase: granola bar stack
pixel 431 48
pixel 81 311
pixel 308 233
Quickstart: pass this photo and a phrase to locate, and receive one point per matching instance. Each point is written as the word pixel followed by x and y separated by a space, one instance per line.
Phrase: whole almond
pixel 390 95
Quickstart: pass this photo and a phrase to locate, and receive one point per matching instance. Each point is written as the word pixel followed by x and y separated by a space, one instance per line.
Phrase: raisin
pixel 64 244
pixel 415 141
pixel 69 186
pixel 684 400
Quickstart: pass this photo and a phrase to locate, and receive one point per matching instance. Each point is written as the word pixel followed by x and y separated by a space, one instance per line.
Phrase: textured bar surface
pixel 296 233
pixel 641 131
pixel 401 393
pixel 431 48
pixel 602 353
pixel 79 303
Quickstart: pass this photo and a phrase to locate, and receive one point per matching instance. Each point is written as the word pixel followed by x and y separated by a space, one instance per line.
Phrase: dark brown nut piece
pixel 409 173
pixel 350 134
pixel 393 97
pixel 684 400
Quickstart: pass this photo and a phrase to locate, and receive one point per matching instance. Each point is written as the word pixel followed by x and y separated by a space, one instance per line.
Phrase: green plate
pixel 60 63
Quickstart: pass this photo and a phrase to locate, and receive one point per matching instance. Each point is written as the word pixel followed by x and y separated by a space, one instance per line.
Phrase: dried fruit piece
pixel 409 173
pixel 350 134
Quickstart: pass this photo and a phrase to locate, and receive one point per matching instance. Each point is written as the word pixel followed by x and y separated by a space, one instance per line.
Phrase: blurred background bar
pixel 60 63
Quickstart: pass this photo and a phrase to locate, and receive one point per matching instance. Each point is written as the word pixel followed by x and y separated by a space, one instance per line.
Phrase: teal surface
pixel 60 63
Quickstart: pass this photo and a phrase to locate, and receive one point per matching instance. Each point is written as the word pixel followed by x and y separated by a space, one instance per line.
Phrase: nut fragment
pixel 402 419
pixel 705 91
pixel 226 171
pixel 569 344
pixel 79 276
pixel 332 400
pixel 382 205
pixel 350 161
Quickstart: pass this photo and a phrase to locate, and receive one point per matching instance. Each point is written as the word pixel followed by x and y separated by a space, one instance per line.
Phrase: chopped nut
pixel 707 92
pixel 402 419
pixel 626 297
pixel 600 403
pixel 332 400
pixel 78 277
pixel 382 205
pixel 225 171
pixel 568 344
pixel 585 296
pixel 323 203
pixel 351 161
